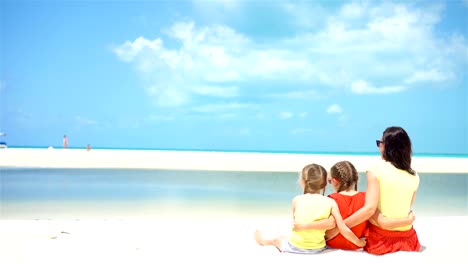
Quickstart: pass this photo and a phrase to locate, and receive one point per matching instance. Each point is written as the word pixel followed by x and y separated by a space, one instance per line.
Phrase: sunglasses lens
pixel 378 142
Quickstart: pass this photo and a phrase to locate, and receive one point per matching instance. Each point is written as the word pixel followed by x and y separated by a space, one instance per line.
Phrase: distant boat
pixel 3 144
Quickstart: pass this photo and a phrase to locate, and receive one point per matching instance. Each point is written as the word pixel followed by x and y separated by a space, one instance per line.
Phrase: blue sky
pixel 238 75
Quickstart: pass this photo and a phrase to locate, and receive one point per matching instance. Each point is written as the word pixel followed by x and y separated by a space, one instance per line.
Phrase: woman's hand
pixel 411 216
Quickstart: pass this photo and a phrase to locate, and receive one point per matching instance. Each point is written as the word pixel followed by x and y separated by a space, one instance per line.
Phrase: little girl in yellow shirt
pixel 309 207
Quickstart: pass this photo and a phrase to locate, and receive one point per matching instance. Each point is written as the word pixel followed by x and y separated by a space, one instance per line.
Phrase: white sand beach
pixel 194 160
pixel 206 238
pixel 203 240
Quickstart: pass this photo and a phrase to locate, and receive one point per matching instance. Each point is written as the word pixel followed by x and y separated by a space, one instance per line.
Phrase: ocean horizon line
pixel 434 155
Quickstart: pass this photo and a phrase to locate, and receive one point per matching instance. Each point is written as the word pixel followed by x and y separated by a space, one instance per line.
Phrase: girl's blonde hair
pixel 346 174
pixel 314 178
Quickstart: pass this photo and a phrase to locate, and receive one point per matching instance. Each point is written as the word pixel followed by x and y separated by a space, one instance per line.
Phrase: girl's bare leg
pixel 274 241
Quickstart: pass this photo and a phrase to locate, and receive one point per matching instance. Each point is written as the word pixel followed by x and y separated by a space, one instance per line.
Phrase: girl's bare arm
pixel 344 230
pixel 294 201
pixel 323 224
pixel 365 212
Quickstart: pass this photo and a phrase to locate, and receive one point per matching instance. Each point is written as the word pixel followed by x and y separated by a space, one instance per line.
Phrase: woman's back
pixel 397 188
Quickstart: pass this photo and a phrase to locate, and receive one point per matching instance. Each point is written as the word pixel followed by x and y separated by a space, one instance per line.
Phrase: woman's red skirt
pixel 381 241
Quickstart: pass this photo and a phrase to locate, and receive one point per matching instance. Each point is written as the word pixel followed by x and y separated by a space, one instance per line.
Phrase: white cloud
pixel 383 42
pixel 226 4
pixel 334 109
pixel 392 44
pixel 206 55
pixel 217 91
pixel 129 50
pixel 305 95
pixel 276 64
pixel 362 87
pixel 300 14
pixel 168 95
pixel 210 108
pixel 402 25
pixel 285 115
pixel 428 76
pixel 227 116
pixel 229 75
pixel 215 54
pixel 337 110
pixel 353 10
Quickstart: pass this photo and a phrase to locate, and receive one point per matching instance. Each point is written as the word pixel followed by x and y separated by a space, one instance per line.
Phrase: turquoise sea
pixel 120 193
pixel 375 153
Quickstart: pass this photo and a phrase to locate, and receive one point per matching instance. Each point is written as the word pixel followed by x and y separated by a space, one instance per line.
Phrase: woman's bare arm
pixel 364 213
pixel 372 200
pixel 389 223
pixel 414 198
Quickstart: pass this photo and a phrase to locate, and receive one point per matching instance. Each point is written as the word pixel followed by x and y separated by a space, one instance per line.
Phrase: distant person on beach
pixel 65 141
pixel 344 178
pixel 88 147
pixel 391 190
pixel 308 207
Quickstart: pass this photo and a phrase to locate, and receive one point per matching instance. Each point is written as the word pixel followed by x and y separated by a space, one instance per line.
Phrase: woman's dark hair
pixel 397 148
pixel 346 174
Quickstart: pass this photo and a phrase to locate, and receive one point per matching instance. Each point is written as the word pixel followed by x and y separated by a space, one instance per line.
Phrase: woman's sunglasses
pixel 378 142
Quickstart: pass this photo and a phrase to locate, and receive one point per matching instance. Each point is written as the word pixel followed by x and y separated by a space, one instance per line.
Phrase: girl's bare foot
pixel 258 237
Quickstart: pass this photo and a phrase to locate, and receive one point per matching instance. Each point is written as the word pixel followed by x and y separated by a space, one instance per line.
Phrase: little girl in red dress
pixel 343 177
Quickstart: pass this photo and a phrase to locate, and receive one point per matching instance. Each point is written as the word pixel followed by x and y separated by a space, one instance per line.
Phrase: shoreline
pixel 240 151
pixel 205 160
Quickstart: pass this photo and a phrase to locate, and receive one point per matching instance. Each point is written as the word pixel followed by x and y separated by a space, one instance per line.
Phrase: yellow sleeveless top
pixel 396 191
pixel 309 208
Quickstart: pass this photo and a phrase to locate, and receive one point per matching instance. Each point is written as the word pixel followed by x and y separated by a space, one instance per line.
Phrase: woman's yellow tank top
pixel 396 191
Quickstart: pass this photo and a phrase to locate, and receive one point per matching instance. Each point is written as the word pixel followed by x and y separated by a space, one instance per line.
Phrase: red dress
pixel 381 241
pixel 348 205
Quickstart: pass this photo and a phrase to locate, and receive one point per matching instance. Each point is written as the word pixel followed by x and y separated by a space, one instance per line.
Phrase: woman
pixel 391 189
pixel 343 177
